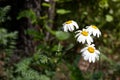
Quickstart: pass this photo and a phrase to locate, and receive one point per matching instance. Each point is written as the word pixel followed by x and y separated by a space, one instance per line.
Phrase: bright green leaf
pixel 109 18
pixel 46 4
pixel 104 4
pixel 62 11
pixel 62 35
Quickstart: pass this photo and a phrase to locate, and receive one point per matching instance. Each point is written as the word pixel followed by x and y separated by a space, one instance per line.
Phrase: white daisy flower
pixel 70 26
pixel 90 54
pixel 92 29
pixel 47 0
pixel 83 36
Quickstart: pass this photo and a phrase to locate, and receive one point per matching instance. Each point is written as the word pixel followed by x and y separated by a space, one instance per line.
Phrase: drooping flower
pixel 90 53
pixel 93 30
pixel 70 26
pixel 83 36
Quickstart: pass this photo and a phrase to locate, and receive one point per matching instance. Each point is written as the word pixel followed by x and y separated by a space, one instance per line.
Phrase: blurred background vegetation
pixel 33 45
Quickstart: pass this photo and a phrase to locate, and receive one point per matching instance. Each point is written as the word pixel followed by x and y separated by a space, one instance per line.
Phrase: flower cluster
pixel 85 36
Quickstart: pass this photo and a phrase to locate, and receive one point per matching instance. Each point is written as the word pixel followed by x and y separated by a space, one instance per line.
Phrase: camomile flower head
pixel 90 53
pixel 92 29
pixel 47 0
pixel 83 36
pixel 70 26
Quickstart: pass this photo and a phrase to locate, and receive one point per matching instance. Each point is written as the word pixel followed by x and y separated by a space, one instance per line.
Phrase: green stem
pixel 49 29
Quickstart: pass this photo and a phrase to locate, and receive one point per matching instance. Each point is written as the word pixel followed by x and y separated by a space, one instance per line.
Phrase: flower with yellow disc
pixel 90 53
pixel 83 36
pixel 70 26
pixel 92 29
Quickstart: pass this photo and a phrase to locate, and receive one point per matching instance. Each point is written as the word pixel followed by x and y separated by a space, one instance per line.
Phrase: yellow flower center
pixel 84 33
pixel 91 49
pixel 68 22
pixel 95 27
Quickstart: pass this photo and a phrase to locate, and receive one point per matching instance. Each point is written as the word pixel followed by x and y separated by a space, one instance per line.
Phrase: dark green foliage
pixel 54 47
pixel 75 73
pixel 23 71
pixel 29 14
pixel 7 40
pixel 97 75
pixel 3 13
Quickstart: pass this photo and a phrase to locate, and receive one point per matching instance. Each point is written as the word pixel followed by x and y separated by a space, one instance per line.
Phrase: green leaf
pixel 29 14
pixel 57 47
pixel 46 4
pixel 23 65
pixel 3 13
pixel 103 4
pixel 62 35
pixel 44 77
pixel 97 75
pixel 62 11
pixel 109 18
pixel 75 73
